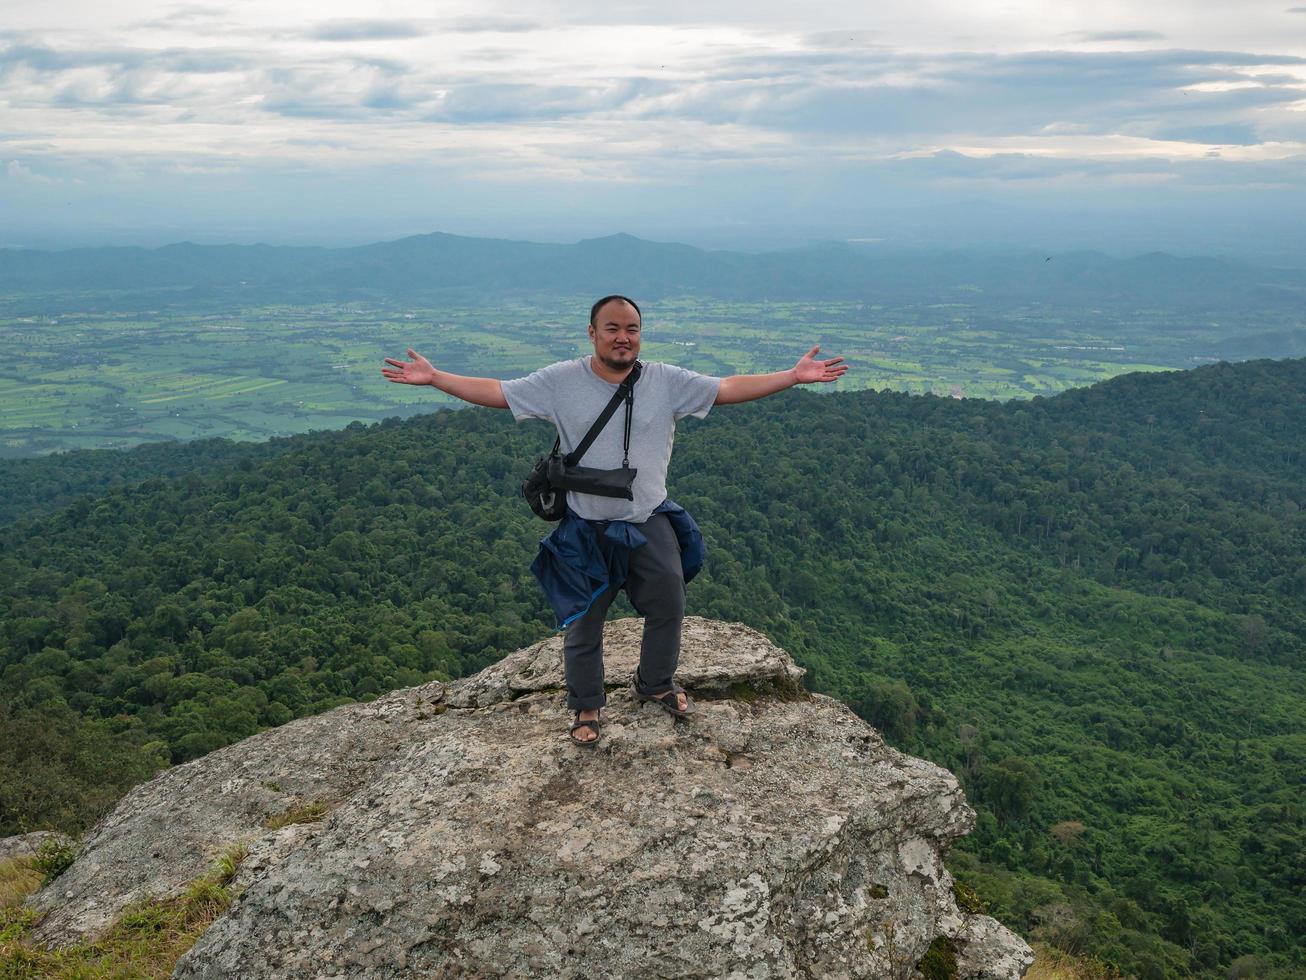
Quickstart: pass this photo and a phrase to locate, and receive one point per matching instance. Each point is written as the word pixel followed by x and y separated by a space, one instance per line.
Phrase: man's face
pixel 615 335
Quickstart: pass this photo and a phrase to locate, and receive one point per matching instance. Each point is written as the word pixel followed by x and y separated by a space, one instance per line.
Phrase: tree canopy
pixel 1091 608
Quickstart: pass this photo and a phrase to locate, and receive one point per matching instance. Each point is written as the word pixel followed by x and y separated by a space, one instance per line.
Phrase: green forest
pixel 1091 608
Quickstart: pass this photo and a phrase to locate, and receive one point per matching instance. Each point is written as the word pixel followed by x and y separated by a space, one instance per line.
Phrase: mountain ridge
pixel 420 267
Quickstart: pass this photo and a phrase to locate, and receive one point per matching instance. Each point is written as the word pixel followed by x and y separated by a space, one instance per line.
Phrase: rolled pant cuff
pixel 647 690
pixel 587 704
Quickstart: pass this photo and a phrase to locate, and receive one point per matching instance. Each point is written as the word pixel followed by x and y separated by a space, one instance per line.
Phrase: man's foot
pixel 675 701
pixel 585 733
pixel 681 703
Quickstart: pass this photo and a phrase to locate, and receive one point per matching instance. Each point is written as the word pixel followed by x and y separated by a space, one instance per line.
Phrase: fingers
pixel 391 374
pixel 833 372
pixel 397 372
pixel 813 352
pixel 832 361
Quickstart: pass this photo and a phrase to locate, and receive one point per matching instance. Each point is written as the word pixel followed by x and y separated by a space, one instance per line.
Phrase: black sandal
pixel 593 724
pixel 667 699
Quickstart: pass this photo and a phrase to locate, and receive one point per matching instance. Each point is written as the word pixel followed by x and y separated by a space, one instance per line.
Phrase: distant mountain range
pixel 425 266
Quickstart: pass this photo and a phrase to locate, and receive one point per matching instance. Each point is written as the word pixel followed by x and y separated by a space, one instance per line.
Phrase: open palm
pixel 808 369
pixel 415 372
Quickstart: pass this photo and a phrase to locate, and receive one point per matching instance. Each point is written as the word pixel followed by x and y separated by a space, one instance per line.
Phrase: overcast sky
pixel 1170 124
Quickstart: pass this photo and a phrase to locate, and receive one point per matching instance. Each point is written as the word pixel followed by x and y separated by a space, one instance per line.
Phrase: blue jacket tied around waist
pixel 578 561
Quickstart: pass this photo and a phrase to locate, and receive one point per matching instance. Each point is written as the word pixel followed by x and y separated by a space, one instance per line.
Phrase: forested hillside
pixel 1091 608
pixel 41 484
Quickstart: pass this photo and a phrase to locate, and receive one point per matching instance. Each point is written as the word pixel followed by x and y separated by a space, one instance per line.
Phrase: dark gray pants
pixel 656 586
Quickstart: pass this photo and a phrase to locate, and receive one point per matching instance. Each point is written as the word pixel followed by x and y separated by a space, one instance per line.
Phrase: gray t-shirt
pixel 571 396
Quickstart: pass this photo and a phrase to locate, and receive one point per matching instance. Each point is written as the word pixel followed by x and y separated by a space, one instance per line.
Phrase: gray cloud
pixel 844 39
pixel 366 30
pixel 293 109
pixel 184 18
pixel 1226 134
pixel 464 99
pixel 1121 36
pixel 236 120
pixel 41 58
pixel 1007 167
pixel 505 102
pixel 837 100
pixel 852 91
pixel 904 95
pixel 1020 168
pixel 491 25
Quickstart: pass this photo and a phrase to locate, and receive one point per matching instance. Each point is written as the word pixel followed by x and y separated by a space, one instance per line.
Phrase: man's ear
pixel 591 331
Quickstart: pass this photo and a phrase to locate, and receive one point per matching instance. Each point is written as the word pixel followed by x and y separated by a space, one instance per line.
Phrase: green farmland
pixel 116 380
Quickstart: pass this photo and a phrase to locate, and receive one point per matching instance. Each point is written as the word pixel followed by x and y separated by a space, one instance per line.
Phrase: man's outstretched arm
pixel 478 391
pixel 747 387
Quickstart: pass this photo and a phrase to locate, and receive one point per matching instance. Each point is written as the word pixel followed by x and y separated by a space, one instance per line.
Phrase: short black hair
pixel 594 310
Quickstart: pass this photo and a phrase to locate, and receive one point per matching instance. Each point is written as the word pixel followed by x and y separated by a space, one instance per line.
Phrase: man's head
pixel 614 331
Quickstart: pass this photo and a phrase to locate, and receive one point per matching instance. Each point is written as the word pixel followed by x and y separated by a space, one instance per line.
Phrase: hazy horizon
pixel 1276 255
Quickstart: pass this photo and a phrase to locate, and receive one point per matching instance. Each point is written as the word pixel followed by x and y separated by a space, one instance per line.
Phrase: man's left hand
pixel 808 370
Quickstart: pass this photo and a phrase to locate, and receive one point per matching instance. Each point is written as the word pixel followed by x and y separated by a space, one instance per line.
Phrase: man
pixel 649 532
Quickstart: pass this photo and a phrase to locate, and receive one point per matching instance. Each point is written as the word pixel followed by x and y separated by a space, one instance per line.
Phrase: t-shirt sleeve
pixel 534 396
pixel 690 393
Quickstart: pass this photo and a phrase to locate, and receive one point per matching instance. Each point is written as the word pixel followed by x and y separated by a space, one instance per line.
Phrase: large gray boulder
pixel 26 845
pixel 773 834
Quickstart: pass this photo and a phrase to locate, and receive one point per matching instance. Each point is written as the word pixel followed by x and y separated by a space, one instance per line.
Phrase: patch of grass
pixel 18 879
pixel 305 812
pixel 968 899
pixel 225 868
pixel 742 691
pixel 940 960
pixel 144 943
pixel 1051 963
pixel 778 688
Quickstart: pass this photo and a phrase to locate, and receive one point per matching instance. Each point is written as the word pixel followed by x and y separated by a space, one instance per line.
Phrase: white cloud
pixel 17 171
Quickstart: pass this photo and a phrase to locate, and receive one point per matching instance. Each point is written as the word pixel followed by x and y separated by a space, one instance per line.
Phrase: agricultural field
pixel 115 380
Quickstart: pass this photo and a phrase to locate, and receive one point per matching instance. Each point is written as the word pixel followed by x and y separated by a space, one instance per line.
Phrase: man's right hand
pixel 418 371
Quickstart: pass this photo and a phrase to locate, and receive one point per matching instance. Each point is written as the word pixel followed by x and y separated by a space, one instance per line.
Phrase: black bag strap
pixel 624 393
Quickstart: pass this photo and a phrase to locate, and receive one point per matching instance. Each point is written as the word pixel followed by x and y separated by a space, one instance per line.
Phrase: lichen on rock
pixel 769 836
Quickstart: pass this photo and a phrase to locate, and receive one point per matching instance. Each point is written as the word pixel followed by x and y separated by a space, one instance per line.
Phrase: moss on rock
pixel 940 960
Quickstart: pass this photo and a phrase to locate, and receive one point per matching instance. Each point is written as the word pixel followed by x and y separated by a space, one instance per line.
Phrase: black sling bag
pixel 552 476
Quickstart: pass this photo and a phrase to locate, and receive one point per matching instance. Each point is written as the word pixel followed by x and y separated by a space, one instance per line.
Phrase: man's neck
pixel 611 375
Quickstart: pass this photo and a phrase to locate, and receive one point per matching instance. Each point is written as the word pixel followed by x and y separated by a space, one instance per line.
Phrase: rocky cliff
pixel 452 830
